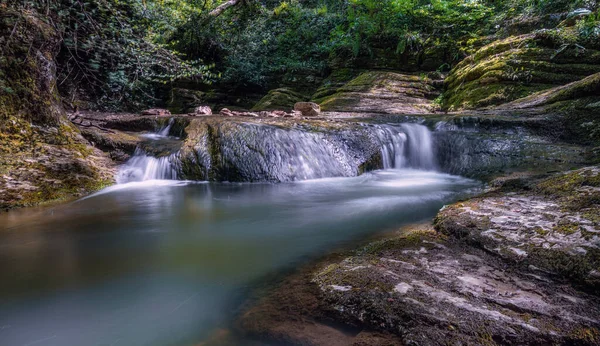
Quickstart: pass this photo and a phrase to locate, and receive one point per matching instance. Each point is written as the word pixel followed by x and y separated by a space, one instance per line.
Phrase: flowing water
pixel 165 262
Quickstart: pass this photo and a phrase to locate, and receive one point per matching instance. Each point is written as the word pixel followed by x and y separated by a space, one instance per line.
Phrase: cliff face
pixel 42 155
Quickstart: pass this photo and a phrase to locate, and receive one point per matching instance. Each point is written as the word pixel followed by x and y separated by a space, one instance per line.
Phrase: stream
pixel 167 262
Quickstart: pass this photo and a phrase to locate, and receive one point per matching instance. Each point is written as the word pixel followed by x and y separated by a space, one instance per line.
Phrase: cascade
pixel 143 167
pixel 268 153
pixel 406 146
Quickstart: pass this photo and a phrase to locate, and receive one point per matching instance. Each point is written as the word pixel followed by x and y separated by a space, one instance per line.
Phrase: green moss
pixel 514 68
pixel 279 99
pixel 411 239
pixel 567 228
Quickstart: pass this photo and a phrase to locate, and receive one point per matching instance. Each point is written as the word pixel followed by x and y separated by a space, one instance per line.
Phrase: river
pixel 166 262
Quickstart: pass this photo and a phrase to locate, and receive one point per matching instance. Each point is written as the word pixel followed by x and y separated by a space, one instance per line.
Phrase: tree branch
pixel 224 6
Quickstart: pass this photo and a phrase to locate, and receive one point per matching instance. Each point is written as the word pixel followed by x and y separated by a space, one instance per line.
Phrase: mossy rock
pixel 279 99
pixel 553 225
pixel 381 92
pixel 518 66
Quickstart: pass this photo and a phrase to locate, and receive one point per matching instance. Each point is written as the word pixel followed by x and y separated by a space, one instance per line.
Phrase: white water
pixel 307 155
pixel 142 167
pixel 406 146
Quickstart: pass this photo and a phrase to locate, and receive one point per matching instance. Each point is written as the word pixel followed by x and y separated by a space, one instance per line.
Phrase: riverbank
pixel 517 265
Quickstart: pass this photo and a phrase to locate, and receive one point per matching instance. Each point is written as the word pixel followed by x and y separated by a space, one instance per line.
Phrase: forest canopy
pixel 120 54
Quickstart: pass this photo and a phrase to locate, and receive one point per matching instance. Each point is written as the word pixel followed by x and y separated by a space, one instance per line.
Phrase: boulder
pixel 203 110
pixel 308 109
pixel 157 111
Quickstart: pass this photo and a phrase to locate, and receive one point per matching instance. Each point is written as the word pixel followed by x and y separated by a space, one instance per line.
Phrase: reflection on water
pixel 166 263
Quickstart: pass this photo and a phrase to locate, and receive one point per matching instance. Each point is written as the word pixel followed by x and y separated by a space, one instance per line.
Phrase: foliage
pixel 105 57
pixel 118 53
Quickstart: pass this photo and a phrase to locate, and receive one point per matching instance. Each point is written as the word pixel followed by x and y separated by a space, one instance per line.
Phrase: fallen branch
pixel 74 117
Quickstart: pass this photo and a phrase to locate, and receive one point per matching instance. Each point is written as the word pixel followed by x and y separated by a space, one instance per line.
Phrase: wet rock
pixel 308 109
pixel 553 228
pixel 250 148
pixel 203 110
pixel 431 291
pixel 157 112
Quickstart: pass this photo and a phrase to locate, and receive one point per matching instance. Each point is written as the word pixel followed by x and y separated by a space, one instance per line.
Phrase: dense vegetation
pixel 120 53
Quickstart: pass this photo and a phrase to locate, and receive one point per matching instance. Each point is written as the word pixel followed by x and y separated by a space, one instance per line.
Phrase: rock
pixel 157 112
pixel 555 226
pixel 226 112
pixel 308 109
pixel 516 67
pixel 419 288
pixel 203 110
pixel 431 291
pixel 254 149
pixel 43 157
pixel 381 92
pixel 279 99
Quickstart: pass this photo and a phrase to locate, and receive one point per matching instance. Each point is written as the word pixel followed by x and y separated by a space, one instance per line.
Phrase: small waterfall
pixel 164 132
pixel 406 146
pixel 143 167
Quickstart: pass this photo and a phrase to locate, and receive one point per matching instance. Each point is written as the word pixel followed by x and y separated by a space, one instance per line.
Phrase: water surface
pixel 168 263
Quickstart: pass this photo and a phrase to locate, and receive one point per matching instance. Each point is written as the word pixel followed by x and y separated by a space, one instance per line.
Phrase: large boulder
pixel 518 66
pixel 382 92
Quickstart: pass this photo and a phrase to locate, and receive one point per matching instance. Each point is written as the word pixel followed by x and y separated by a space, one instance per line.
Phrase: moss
pixel 567 228
pixel 588 335
pixel 566 185
pixel 513 68
pixel 279 99
pixel 413 238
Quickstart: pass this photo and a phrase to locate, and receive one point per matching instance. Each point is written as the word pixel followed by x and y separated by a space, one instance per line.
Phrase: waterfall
pixel 143 167
pixel 406 146
pixel 165 131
